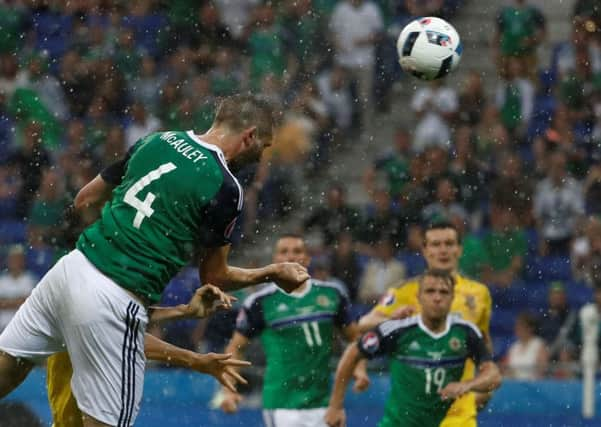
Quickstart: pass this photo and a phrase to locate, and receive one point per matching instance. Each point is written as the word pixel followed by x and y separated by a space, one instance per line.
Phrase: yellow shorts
pixel 63 406
pixel 462 413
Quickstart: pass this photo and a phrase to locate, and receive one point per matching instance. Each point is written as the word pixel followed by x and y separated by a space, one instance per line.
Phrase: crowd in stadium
pixel 518 174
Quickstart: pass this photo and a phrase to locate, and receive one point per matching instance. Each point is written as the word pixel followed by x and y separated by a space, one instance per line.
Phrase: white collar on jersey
pixel 300 294
pixel 221 156
pixel 436 336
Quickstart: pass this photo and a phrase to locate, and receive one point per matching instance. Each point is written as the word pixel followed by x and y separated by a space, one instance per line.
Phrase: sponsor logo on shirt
pixel 370 342
pixel 414 346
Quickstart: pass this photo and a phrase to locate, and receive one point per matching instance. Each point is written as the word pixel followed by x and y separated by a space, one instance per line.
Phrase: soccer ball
pixel 429 48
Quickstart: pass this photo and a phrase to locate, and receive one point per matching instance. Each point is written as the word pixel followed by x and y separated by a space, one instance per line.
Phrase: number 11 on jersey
pixel 144 207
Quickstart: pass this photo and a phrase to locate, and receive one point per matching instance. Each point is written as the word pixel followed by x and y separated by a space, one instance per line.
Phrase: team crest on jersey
pixel 387 299
pixel 323 301
pixel 370 342
pixel 470 302
pixel 454 344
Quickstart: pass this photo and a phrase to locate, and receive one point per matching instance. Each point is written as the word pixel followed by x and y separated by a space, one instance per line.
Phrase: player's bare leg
pixel 12 372
pixel 92 422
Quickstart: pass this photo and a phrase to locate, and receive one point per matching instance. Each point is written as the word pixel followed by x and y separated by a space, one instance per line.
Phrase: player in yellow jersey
pixel 208 298
pixel 442 249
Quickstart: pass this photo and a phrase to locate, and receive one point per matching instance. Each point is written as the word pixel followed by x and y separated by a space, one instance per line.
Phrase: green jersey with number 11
pixel 176 194
pixel 422 364
pixel 297 333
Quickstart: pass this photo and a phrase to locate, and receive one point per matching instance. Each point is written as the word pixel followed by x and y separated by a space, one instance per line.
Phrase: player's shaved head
pixel 240 112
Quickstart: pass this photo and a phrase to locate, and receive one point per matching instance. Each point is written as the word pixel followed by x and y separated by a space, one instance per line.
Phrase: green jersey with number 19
pixel 422 364
pixel 176 194
pixel 297 333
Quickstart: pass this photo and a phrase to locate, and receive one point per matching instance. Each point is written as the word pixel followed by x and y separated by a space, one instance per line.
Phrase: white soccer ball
pixel 429 48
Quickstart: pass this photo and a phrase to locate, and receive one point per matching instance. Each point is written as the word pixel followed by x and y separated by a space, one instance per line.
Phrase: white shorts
pixel 102 327
pixel 295 417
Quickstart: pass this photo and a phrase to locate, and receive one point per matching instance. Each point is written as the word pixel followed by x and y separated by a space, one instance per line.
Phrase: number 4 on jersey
pixel 144 207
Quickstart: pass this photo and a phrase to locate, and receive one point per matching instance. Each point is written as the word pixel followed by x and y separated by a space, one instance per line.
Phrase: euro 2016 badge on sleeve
pixel 370 342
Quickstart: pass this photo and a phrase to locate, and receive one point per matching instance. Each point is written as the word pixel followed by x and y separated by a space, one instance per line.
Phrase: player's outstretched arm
pixel 335 415
pixel 206 300
pixel 351 334
pixel 375 317
pixel 488 379
pixel 220 366
pixel 214 268
pixel 231 399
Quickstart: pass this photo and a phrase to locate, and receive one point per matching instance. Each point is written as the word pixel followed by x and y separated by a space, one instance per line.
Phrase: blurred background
pixel 507 148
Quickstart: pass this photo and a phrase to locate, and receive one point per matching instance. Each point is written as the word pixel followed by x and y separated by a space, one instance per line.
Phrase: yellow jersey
pixel 473 302
pixel 63 406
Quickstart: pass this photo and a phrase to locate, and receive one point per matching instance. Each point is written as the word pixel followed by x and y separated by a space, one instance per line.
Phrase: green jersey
pixel 173 195
pixel 297 333
pixel 422 364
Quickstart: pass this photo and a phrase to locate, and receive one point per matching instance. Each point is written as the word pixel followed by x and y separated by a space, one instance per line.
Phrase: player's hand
pixel 230 402
pixel 290 275
pixel 206 300
pixel 222 367
pixel 335 417
pixel 403 312
pixel 361 379
pixel 454 390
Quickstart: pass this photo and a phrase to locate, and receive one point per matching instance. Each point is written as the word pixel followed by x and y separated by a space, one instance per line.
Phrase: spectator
pixel 435 107
pixel 37 78
pixel 209 36
pixel 236 15
pixel 334 89
pixel 582 43
pixel 303 35
pixel 592 186
pixel 467 172
pixel 445 207
pixel 381 218
pixel 78 86
pixel 144 87
pixel 30 161
pixel 515 98
pixel 416 193
pixel 356 26
pixel 424 7
pixel 587 315
pixel 141 125
pixel 558 204
pixel 472 99
pixel 558 324
pixel 227 78
pixel 514 186
pixel 527 357
pixel 505 246
pixel 47 209
pixel 335 217
pixel 345 264
pixel 520 30
pixel 586 253
pixel 393 165
pixel 382 272
pixel 15 285
pixel 266 47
